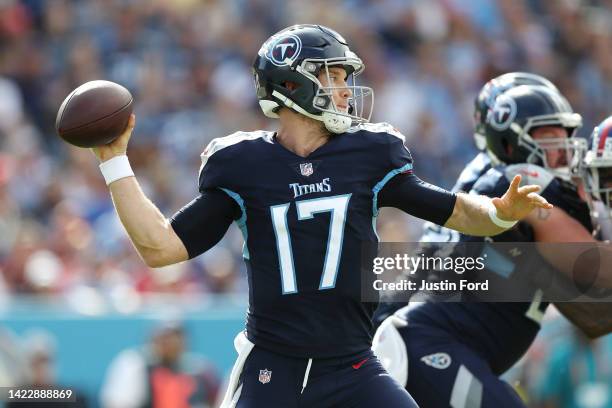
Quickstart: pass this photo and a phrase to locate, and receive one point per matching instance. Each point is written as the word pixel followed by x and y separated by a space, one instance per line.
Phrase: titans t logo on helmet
pixel 503 113
pixel 284 49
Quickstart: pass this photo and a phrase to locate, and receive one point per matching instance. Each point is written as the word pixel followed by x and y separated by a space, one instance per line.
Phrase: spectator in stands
pixel 39 358
pixel 160 375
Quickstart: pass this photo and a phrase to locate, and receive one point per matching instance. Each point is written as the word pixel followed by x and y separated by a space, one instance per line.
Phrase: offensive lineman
pixel 462 348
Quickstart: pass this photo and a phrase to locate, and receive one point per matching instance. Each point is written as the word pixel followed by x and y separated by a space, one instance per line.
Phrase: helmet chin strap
pixel 336 123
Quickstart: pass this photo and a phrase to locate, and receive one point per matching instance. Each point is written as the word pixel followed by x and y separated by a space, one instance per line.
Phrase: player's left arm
pixel 475 215
pixel 466 213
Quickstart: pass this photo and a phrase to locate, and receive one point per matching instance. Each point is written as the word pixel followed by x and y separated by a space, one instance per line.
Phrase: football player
pixel 305 197
pixel 461 349
pixel 482 162
pixel 597 164
pixel 595 318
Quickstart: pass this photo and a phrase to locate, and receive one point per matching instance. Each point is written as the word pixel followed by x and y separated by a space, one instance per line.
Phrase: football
pixel 94 114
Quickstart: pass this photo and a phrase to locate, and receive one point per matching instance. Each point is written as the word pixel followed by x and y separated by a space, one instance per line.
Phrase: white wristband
pixel 116 168
pixel 498 221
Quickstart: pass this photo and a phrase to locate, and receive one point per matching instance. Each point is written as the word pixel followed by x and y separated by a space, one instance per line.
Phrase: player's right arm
pixel 150 232
pixel 160 241
pixel 593 318
pixel 556 226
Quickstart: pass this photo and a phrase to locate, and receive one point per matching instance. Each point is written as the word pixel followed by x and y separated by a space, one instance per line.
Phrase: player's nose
pixel 346 92
pixel 557 158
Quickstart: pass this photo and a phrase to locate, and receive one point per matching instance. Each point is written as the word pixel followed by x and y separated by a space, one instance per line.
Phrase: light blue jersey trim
pixel 374 218
pixel 241 222
pixel 379 186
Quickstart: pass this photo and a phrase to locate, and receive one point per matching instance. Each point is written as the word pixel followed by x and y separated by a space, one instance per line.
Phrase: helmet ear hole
pixel 291 86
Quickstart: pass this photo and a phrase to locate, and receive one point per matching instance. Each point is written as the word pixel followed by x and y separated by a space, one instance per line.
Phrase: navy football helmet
pixel 597 163
pixel 520 110
pixel 298 55
pixel 492 89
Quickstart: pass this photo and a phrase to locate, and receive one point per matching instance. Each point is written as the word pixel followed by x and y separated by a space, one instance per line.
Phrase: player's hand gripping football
pixel 117 147
pixel 517 202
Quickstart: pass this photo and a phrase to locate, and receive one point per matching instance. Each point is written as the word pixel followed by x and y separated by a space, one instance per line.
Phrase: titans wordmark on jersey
pixel 304 221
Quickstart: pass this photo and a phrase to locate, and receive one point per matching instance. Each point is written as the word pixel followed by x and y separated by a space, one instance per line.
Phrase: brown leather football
pixel 94 114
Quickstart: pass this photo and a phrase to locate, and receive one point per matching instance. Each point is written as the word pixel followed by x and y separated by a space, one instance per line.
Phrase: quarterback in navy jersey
pixel 285 204
pixel 305 197
pixel 462 347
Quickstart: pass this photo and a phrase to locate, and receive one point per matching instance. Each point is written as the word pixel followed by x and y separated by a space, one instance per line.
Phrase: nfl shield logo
pixel 265 375
pixel 306 169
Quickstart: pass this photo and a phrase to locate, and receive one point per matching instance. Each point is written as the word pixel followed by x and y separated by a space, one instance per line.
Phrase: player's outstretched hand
pixel 517 202
pixel 117 147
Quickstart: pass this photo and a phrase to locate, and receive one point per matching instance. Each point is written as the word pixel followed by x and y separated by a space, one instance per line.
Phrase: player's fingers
pixel 130 126
pixel 532 188
pixel 132 121
pixel 123 139
pixel 539 201
pixel 546 206
pixel 514 185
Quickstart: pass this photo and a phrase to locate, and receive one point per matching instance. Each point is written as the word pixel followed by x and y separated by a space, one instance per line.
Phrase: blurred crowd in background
pixel 187 63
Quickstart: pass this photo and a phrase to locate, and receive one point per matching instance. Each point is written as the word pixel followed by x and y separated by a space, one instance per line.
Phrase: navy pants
pixel 271 380
pixel 442 372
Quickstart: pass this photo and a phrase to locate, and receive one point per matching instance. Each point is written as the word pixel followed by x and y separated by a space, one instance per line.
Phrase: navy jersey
pixel 304 221
pixel 502 332
pixel 479 165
